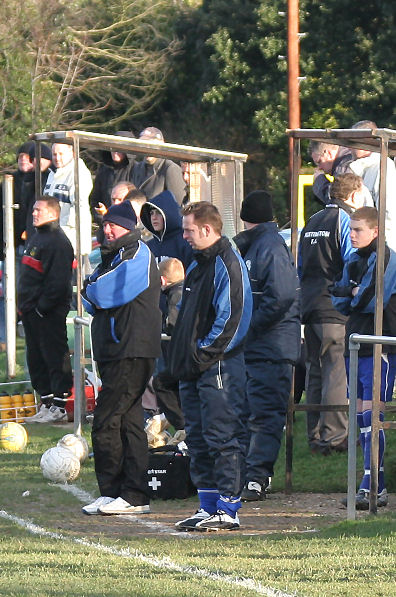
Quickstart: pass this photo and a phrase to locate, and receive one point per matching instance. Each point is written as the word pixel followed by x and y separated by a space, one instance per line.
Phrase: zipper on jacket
pixel 219 380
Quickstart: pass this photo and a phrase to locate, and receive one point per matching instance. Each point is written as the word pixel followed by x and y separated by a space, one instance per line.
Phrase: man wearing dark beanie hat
pixel 122 295
pixel 121 214
pixel 257 207
pixel 273 341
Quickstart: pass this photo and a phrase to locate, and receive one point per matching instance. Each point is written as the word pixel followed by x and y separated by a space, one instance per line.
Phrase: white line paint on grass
pixel 87 498
pixel 164 563
pixel 82 495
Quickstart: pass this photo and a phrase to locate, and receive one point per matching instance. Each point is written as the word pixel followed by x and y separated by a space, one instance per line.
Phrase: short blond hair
pixel 172 269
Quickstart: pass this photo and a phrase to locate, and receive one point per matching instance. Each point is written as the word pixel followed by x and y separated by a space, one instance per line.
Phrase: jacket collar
pixel 108 250
pixel 48 227
pixel 246 238
pixel 213 250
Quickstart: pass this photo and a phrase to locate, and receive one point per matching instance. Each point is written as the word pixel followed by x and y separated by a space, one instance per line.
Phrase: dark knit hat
pixel 151 133
pixel 257 208
pixel 24 148
pixel 46 152
pixel 122 214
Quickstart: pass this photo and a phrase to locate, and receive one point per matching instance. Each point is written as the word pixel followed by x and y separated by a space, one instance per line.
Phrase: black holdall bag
pixel 169 474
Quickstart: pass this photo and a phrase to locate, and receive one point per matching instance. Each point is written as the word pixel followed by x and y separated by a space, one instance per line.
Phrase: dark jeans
pixel 213 408
pixel 47 352
pixel 268 389
pixel 118 437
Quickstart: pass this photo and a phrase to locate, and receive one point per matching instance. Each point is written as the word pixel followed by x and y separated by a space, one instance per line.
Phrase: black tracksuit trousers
pixel 47 352
pixel 118 437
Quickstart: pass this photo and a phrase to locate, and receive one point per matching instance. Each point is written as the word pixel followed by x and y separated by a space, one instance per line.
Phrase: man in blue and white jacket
pixel 122 294
pixel 354 296
pixel 206 354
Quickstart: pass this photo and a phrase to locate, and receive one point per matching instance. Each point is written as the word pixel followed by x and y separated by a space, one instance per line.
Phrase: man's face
pixel 24 163
pixel 196 236
pixel 42 214
pixel 361 234
pixel 325 159
pixel 117 156
pixel 157 221
pixel 118 194
pixel 113 231
pixel 61 154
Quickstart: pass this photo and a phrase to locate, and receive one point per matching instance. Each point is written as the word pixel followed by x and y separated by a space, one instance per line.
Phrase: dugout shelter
pixel 214 175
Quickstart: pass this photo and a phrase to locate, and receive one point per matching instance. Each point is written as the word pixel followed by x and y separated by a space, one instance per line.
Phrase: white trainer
pixel 38 418
pixel 190 523
pixel 121 506
pixel 55 415
pixel 93 508
pixel 220 521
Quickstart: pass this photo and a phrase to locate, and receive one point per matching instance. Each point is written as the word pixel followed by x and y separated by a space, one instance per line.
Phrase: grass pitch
pixel 48 548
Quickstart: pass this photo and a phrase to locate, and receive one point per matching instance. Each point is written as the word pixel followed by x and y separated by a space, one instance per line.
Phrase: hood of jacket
pixel 168 207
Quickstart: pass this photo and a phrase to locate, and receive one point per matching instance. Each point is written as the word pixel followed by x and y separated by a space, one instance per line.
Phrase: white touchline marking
pixel 79 493
pixel 165 563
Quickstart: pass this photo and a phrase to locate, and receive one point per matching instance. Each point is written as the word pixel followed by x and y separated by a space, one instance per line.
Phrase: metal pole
pixel 238 194
pixel 9 279
pixel 353 372
pixel 294 117
pixel 289 441
pixel 378 319
pixel 37 171
pixel 80 273
pixel 79 394
pixel 293 63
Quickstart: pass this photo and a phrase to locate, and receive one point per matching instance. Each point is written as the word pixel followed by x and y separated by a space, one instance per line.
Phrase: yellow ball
pixel 13 437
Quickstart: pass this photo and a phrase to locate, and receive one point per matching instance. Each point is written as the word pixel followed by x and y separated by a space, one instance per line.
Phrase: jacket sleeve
pixel 341 292
pixel 232 303
pixel 321 189
pixel 122 284
pixel 174 182
pixel 277 288
pixel 345 237
pixel 56 261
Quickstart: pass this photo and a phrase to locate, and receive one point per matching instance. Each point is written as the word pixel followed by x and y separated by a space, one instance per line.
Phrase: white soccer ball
pixel 60 465
pixel 76 444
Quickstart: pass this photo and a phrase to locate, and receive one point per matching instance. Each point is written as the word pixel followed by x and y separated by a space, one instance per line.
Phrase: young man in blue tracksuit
pixel 354 296
pixel 273 342
pixel 122 294
pixel 206 354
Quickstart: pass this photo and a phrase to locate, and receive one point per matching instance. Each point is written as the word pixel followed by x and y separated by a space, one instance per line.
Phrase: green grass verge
pixel 347 559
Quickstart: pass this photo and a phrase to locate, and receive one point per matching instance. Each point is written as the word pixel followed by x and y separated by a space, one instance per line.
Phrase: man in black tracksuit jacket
pixel 44 295
pixel 324 248
pixel 122 294
pixel 273 342
pixel 206 354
